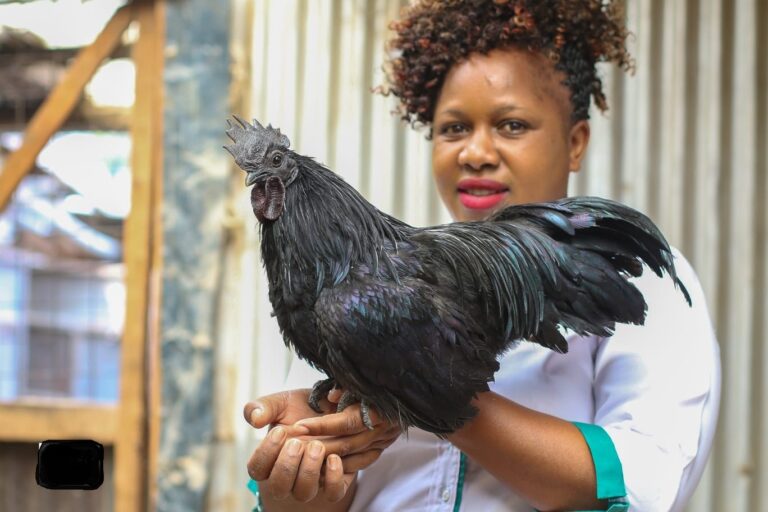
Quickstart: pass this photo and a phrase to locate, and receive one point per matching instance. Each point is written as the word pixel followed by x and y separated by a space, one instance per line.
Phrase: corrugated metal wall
pixel 685 141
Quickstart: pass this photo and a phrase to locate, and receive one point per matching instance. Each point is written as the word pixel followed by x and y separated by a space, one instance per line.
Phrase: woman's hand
pixel 311 457
pixel 345 434
pixel 284 408
pixel 287 466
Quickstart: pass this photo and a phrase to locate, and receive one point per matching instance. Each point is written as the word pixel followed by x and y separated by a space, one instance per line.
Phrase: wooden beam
pixel 131 449
pixel 60 103
pixel 156 278
pixel 38 421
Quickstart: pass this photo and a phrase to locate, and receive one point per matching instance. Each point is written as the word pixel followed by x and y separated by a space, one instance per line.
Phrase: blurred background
pixel 133 305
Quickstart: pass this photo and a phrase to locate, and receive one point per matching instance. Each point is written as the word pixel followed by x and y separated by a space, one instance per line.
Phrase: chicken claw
pixel 319 392
pixel 348 399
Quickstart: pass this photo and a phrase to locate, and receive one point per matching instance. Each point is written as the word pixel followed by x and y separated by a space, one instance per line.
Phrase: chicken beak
pixel 250 178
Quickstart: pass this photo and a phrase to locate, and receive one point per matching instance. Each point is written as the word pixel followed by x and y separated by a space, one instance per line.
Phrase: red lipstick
pixel 481 194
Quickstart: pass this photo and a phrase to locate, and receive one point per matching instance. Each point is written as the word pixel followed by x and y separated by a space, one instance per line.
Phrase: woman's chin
pixel 471 215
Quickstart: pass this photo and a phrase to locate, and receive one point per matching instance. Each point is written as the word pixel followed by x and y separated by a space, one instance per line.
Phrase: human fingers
pixel 335 485
pixel 283 475
pixel 335 394
pixel 267 409
pixel 356 462
pixel 344 423
pixel 308 478
pixel 380 437
pixel 284 408
pixel 265 455
pixel 386 437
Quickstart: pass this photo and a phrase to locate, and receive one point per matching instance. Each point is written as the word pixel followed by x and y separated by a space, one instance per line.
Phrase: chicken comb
pixel 252 139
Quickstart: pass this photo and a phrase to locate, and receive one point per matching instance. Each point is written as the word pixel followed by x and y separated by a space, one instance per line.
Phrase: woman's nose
pixel 479 151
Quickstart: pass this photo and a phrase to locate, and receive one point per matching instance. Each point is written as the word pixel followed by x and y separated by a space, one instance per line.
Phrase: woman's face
pixel 502 134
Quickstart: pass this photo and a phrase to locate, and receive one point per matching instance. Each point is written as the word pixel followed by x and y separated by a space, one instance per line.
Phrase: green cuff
pixel 253 486
pixel 608 472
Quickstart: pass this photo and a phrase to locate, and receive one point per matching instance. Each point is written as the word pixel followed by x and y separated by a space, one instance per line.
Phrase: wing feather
pixel 417 359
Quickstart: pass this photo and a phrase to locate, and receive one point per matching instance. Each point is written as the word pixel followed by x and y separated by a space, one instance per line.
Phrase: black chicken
pixel 412 320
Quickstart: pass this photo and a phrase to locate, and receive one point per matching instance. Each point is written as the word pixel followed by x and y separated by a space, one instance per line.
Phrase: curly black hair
pixel 432 35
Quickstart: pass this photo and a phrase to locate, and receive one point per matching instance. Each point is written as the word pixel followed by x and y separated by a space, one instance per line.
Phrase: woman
pixel 505 87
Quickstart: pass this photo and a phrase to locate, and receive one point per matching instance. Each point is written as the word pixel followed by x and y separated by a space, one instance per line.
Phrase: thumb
pixel 265 410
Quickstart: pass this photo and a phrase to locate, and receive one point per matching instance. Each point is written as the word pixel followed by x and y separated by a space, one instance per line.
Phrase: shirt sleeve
pixel 609 475
pixel 652 385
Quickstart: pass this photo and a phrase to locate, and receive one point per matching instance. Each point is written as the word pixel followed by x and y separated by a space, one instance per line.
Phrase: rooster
pixel 412 320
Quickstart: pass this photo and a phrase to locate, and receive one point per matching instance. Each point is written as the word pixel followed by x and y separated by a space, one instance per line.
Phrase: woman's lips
pixel 481 194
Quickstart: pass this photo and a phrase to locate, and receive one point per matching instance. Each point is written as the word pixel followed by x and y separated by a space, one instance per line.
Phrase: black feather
pixel 413 319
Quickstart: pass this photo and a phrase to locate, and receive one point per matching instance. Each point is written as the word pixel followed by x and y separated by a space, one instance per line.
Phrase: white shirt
pixel 653 388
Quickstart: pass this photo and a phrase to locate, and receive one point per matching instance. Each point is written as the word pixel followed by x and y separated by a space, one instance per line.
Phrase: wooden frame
pixel 126 425
pixel 61 101
pixel 141 241
pixel 41 420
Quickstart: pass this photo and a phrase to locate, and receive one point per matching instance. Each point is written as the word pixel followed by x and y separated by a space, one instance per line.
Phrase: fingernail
pixel 301 428
pixel 315 447
pixel 293 447
pixel 256 413
pixel 334 462
pixel 278 434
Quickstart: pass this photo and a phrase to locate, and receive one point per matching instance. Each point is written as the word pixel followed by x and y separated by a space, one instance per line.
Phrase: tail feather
pixel 618 232
pixel 565 263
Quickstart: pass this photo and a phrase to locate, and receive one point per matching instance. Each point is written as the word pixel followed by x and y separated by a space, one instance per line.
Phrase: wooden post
pixel 156 281
pixel 132 447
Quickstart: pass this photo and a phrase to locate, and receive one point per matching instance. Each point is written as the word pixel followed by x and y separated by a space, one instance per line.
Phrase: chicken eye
pixel 277 160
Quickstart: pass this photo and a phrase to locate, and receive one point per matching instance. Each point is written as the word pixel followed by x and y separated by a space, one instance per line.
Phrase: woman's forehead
pixel 509 72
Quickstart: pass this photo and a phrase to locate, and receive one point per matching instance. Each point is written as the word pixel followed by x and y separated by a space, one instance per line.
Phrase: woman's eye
pixel 514 127
pixel 277 160
pixel 452 129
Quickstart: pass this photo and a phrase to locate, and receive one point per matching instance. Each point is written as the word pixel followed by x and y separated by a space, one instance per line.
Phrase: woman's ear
pixel 579 140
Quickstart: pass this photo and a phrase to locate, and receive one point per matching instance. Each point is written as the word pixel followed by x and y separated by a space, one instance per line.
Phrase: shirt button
pixel 446 495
